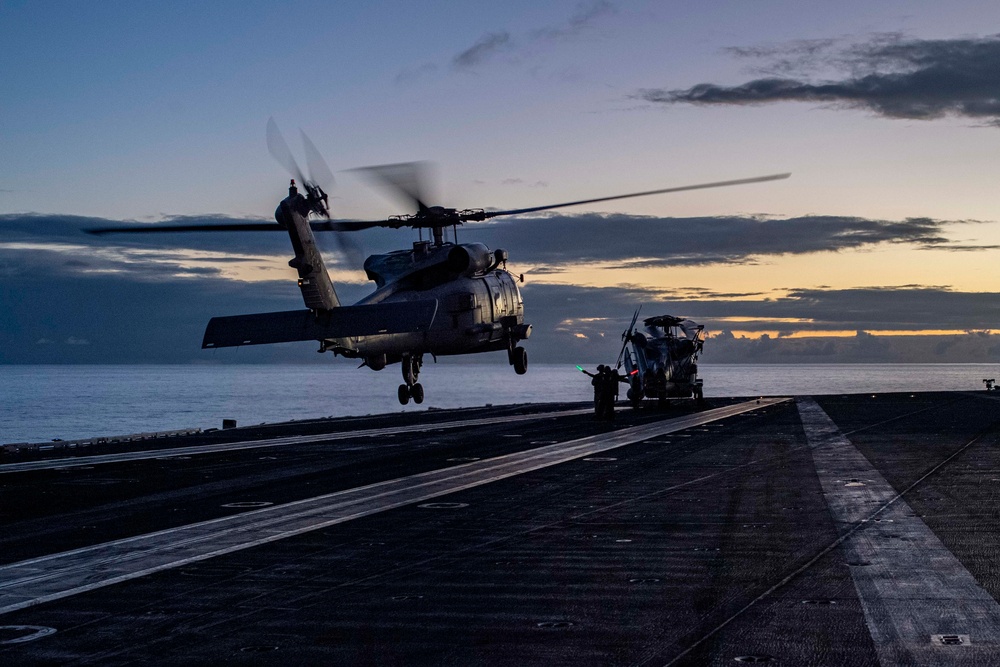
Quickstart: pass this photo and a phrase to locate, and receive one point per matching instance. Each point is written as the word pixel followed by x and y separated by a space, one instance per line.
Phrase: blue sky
pixel 164 105
pixel 146 111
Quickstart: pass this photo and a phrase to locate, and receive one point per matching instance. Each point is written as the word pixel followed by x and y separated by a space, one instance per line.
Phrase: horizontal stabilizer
pixel 296 325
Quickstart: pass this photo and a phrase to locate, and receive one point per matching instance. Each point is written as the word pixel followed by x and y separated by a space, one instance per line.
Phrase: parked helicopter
pixel 663 361
pixel 437 298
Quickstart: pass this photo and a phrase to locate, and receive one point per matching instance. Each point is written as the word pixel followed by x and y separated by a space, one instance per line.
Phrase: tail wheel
pixel 404 394
pixel 417 392
pixel 520 360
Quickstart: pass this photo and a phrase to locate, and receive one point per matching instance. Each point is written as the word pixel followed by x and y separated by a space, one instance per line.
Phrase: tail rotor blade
pixel 279 150
pixel 319 171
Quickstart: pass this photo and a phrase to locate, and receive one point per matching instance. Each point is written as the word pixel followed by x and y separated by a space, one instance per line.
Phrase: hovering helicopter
pixel 663 360
pixel 439 297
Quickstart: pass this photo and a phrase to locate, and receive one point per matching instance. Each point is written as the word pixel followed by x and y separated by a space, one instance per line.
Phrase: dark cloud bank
pixel 566 311
pixel 73 298
pixel 553 239
pixel 889 75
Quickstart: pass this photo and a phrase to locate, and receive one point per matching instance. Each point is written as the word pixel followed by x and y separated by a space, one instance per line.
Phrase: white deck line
pixel 97 459
pixel 914 590
pixel 64 574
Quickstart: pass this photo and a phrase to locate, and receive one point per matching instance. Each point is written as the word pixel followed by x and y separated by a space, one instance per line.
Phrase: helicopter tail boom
pixel 318 292
pixel 300 325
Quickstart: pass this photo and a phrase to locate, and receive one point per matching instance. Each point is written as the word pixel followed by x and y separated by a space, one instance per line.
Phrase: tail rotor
pixel 320 177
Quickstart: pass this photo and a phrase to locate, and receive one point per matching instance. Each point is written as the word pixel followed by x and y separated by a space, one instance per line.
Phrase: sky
pixel 883 245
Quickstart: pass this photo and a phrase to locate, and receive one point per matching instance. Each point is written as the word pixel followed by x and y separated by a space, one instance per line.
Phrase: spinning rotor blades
pixel 408 180
pixel 319 171
pixel 700 186
pixel 279 150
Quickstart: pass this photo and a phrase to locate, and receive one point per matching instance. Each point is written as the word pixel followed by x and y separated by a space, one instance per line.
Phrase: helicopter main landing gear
pixel 518 358
pixel 411 388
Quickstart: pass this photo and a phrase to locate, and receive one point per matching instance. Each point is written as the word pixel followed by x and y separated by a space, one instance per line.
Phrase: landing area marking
pixel 921 605
pixel 61 575
pixel 901 599
pixel 75 461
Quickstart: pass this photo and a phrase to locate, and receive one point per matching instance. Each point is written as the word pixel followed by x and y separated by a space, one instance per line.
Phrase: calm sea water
pixel 39 403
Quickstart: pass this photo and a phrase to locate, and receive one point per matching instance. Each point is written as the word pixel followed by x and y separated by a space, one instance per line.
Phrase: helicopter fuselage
pixel 663 360
pixel 479 306
pixel 437 298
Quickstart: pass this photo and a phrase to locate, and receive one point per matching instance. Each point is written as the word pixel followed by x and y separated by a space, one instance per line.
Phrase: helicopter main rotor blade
pixel 700 186
pixel 353 225
pixel 222 227
pixel 317 226
pixel 278 148
pixel 408 179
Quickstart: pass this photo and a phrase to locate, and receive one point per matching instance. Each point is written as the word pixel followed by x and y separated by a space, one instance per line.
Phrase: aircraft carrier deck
pixel 826 530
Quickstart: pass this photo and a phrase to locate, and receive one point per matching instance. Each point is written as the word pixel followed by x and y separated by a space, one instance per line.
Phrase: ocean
pixel 41 403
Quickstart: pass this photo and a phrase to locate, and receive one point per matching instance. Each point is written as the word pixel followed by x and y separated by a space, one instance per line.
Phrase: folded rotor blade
pixel 625 335
pixel 700 186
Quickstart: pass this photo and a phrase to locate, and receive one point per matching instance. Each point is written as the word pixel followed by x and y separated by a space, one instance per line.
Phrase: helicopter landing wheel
pixel 520 356
pixel 417 392
pixel 404 394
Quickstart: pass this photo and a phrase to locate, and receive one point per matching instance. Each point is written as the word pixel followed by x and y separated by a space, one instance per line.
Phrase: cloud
pixel 142 299
pixel 414 73
pixel 561 314
pixel 655 241
pixel 911 308
pixel 586 17
pixel 58 244
pixel 889 75
pixel 906 308
pixel 601 314
pixel 488 45
pixel 114 318
pixel 49 314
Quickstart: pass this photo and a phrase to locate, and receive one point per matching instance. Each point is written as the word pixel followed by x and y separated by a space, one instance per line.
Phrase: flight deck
pixel 823 530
